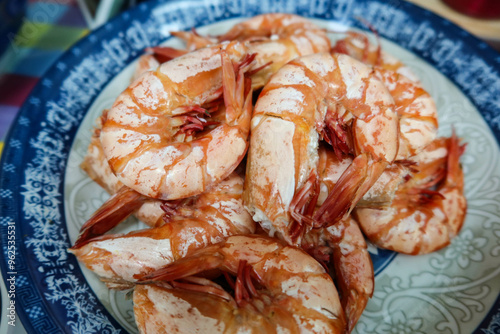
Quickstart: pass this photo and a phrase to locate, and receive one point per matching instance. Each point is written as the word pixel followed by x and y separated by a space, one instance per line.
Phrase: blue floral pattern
pixel 55 297
pixel 465 248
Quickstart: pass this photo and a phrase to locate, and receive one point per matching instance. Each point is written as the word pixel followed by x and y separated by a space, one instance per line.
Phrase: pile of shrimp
pixel 262 160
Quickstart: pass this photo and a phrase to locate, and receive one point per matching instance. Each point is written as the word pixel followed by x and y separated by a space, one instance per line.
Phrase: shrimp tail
pixel 353 268
pixel 194 40
pixel 110 214
pixel 204 260
pixel 164 53
pixel 455 203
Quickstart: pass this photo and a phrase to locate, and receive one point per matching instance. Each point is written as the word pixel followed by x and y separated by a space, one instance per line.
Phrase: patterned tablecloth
pixel 48 29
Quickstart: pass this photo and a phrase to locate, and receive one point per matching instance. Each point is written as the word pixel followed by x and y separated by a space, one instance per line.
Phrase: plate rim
pixel 479 47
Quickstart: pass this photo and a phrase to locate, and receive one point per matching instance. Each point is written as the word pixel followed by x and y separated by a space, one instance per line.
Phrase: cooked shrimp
pixel 96 166
pixel 276 38
pixel 340 246
pixel 303 99
pixel 278 289
pixel 422 219
pixel 357 45
pixel 124 200
pixel 415 107
pixel 213 216
pixel 146 62
pixel 148 136
pixel 418 123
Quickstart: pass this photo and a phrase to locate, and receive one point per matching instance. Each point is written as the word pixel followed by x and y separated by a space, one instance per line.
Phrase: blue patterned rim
pixel 52 295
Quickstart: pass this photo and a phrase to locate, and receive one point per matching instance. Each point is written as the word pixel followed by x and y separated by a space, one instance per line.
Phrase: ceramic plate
pixel 45 197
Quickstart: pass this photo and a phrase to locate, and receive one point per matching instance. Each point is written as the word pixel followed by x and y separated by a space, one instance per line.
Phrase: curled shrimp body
pixel 147 136
pixel 414 105
pixel 213 216
pixel 357 45
pixel 96 166
pixel 276 38
pixel 418 125
pixel 341 246
pixel 146 62
pixel 428 210
pixel 278 289
pixel 305 97
pixel 417 112
pixel 124 200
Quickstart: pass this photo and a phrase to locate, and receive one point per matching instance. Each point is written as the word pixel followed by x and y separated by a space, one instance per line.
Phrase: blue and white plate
pixel 45 197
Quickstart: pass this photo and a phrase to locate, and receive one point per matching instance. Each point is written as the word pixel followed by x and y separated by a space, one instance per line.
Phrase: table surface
pixel 51 27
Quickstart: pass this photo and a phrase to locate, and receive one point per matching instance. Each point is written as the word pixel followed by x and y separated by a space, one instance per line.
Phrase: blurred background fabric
pixel 34 33
pixel 45 31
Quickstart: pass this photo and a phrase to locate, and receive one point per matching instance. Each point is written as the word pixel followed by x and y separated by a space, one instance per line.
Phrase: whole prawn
pixel 278 288
pixel 428 210
pixel 95 165
pixel 340 247
pixel 357 45
pixel 124 200
pixel 418 125
pixel 414 105
pixel 209 218
pixel 148 138
pixel 304 98
pixel 276 38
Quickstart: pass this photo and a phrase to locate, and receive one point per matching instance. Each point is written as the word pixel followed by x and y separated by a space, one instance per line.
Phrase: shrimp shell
pixel 284 142
pixel 139 134
pixel 294 293
pixel 422 219
pixel 214 215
